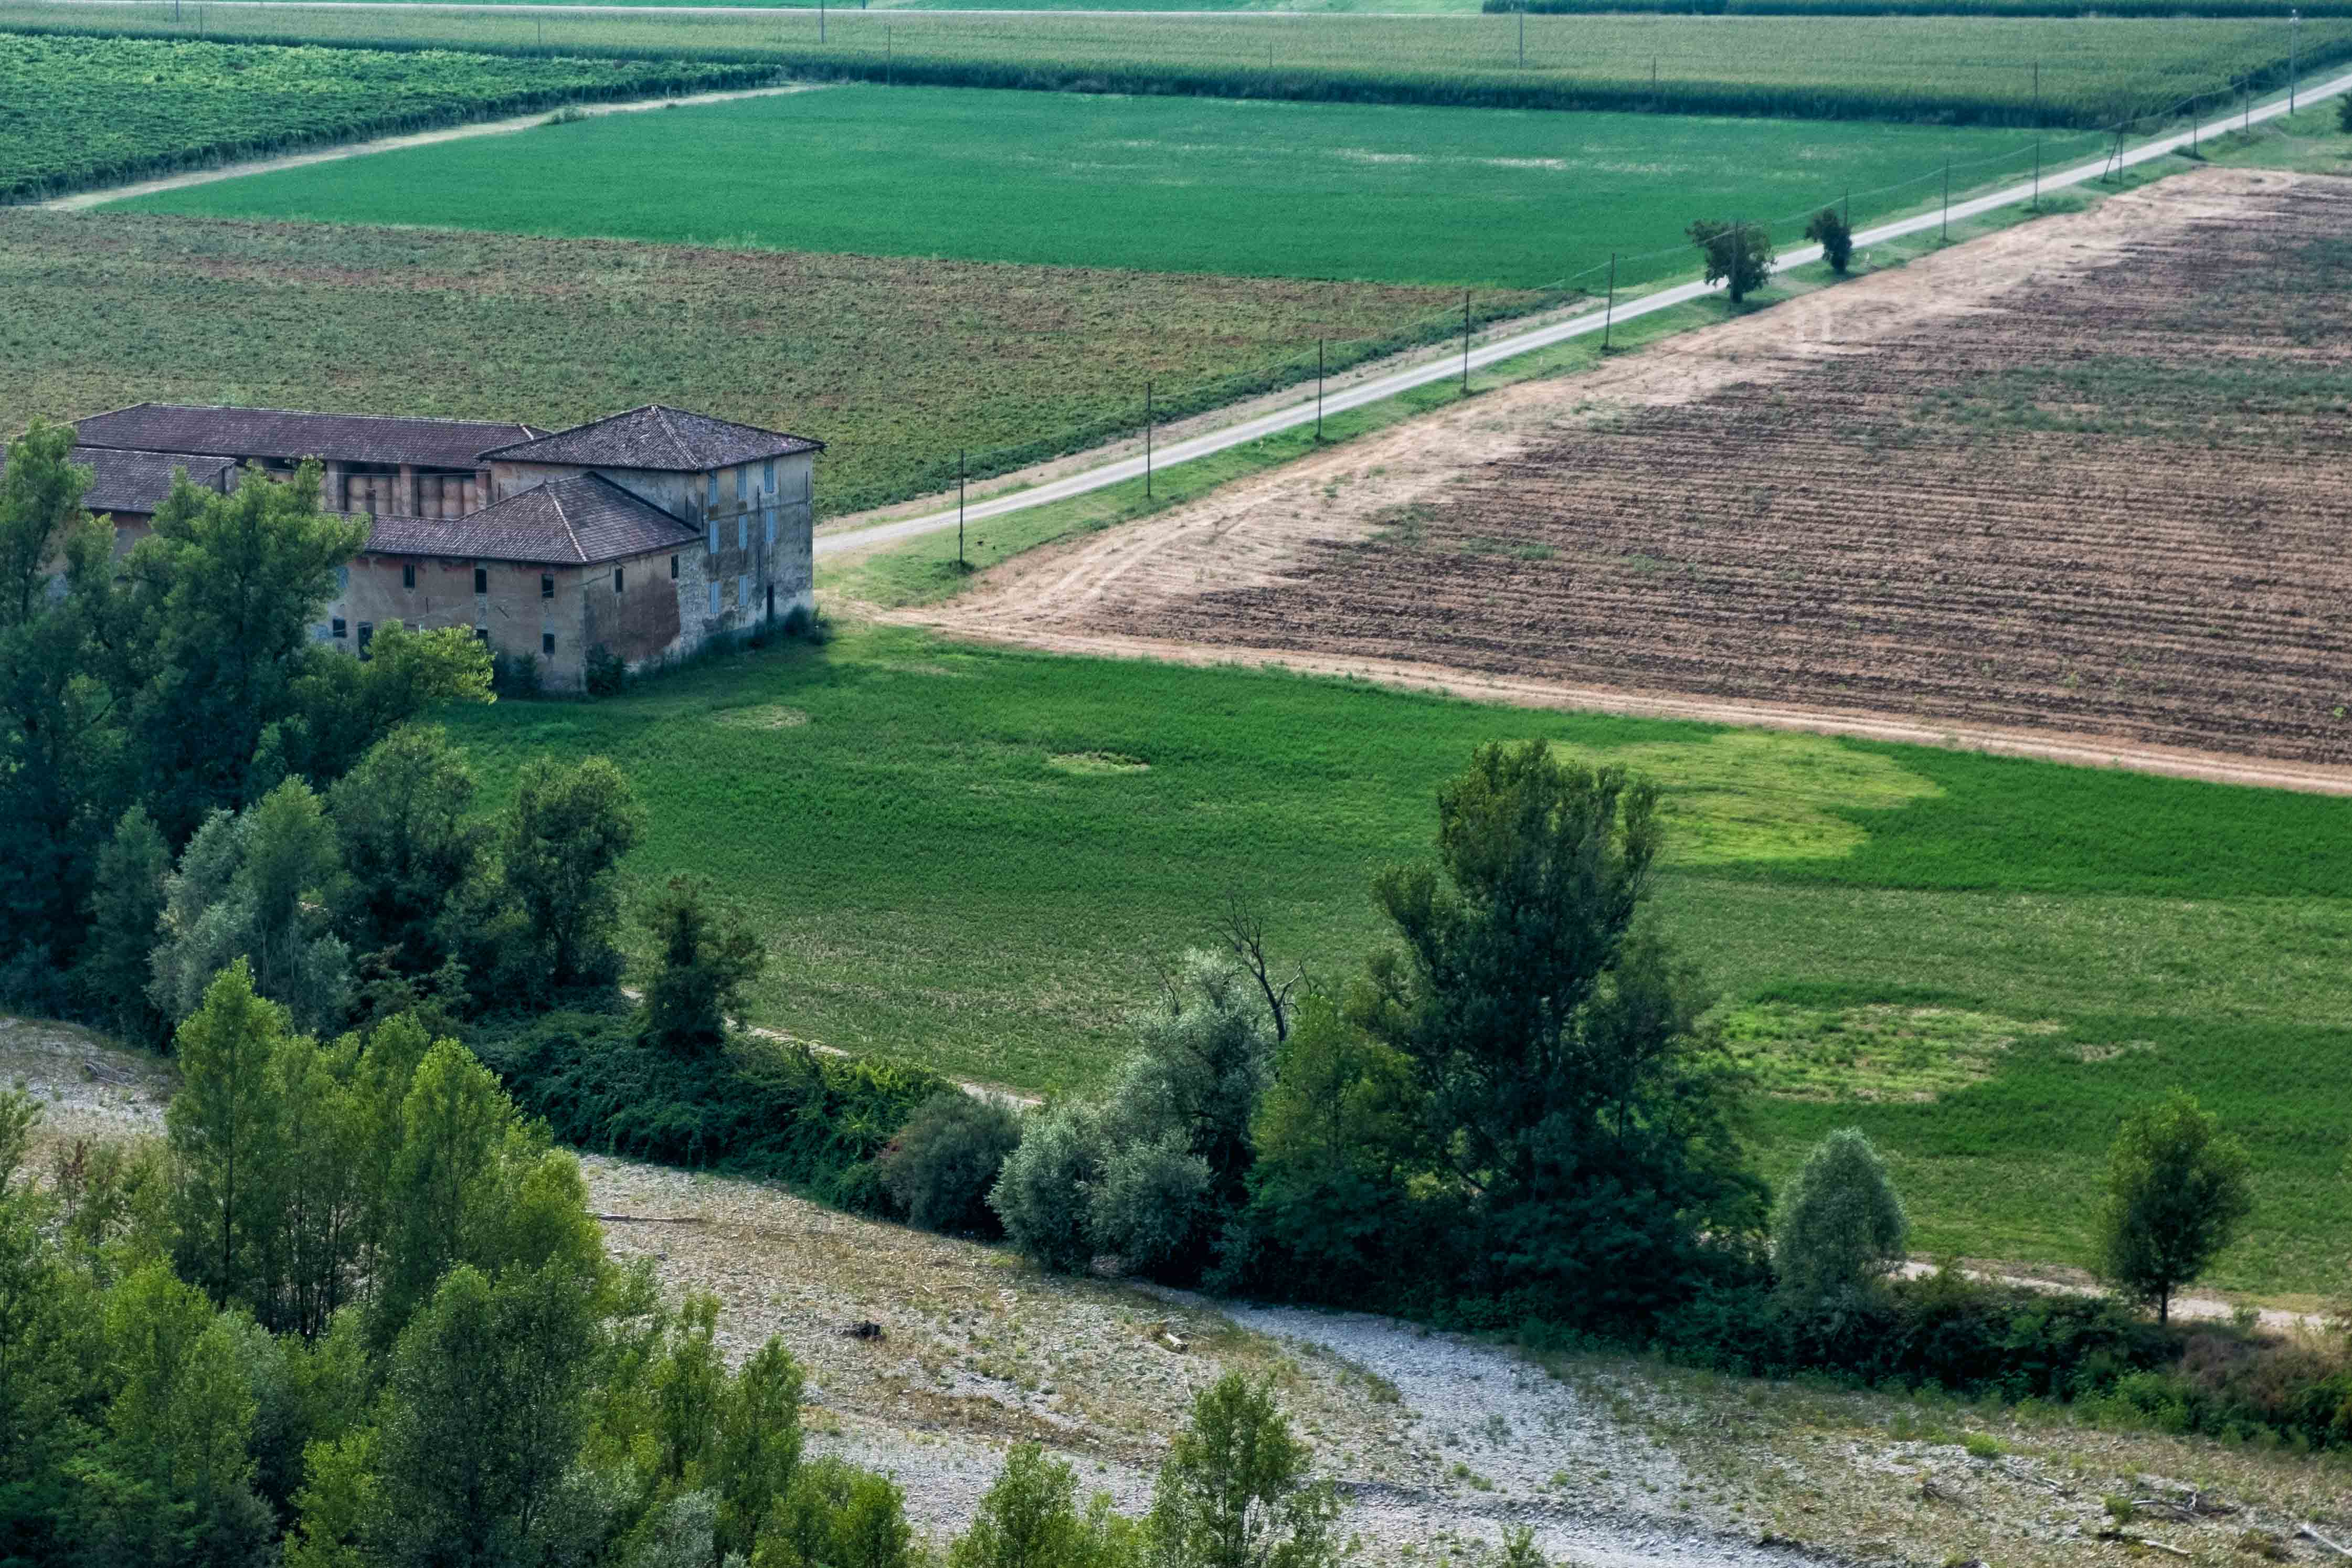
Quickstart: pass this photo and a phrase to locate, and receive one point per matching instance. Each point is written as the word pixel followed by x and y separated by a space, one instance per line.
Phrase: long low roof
pixel 660 438
pixel 289 436
pixel 580 521
pixel 123 480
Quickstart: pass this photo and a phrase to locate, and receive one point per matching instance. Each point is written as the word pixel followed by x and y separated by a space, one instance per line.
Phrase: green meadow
pixel 973 858
pixel 1516 198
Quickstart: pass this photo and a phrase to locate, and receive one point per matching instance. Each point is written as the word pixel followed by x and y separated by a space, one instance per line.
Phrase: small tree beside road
pixel 2177 1190
pixel 1738 255
pixel 1830 230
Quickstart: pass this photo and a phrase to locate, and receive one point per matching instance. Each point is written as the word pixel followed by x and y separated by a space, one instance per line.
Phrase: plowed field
pixel 2091 475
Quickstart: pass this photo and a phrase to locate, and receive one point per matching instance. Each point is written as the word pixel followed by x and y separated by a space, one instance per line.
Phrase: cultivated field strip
pixel 2051 71
pixel 2110 503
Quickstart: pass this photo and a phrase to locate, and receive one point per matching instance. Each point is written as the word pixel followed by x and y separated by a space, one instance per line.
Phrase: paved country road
pixel 1303 411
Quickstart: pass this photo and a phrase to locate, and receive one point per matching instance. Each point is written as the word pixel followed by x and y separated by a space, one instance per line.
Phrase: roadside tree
pixel 1830 230
pixel 1738 255
pixel 2177 1190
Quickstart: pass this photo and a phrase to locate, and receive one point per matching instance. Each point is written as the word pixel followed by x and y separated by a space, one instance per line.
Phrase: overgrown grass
pixel 86 111
pixel 2092 70
pixel 891 810
pixel 1498 198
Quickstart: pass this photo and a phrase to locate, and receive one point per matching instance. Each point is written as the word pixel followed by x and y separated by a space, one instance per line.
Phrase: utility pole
pixel 960 473
pixel 1465 342
pixel 1318 390
pixel 2294 54
pixel 1146 440
pixel 1609 311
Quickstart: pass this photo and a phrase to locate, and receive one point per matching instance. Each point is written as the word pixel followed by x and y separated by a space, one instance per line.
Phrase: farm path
pixel 1101 594
pixel 84 200
pixel 1521 340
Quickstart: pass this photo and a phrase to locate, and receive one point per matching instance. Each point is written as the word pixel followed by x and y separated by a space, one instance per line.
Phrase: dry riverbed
pixel 1441 1443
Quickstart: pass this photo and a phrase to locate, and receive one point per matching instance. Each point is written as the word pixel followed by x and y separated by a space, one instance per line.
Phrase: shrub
pixel 2344 115
pixel 1840 1225
pixel 514 674
pixel 1042 1193
pixel 706 962
pixel 939 1170
pixel 605 672
pixel 1830 230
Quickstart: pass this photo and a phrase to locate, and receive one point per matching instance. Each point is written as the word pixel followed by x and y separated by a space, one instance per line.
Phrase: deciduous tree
pixel 565 835
pixel 1738 255
pixel 1235 1492
pixel 1839 1227
pixel 2179 1188
pixel 704 960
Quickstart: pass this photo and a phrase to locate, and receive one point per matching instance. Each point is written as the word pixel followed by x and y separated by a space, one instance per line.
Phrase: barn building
pixel 645 533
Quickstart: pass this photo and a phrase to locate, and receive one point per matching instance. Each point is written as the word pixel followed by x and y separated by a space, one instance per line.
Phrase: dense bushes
pixel 938 1169
pixel 758 1107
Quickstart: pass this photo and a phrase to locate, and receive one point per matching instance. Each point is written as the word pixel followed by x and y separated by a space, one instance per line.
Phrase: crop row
pixel 78 112
pixel 1948 70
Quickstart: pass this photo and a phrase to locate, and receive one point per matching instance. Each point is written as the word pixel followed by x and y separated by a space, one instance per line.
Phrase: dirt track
pixel 2075 488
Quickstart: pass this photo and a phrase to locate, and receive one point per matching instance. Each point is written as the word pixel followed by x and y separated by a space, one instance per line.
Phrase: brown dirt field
pixel 2075 488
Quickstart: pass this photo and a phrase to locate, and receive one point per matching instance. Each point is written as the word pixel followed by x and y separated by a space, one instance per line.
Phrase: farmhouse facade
pixel 643 534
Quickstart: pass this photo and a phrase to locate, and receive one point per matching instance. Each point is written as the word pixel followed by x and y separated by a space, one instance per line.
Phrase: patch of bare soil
pixel 2075 488
pixel 927 1357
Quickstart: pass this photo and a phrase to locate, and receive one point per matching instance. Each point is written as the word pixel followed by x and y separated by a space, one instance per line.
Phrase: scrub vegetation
pixel 2052 71
pixel 87 111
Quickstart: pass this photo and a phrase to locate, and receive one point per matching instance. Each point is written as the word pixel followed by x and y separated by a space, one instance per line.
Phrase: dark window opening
pixel 547 642
pixel 673 568
pixel 547 584
pixel 482 635
pixel 367 635
pixel 408 576
pixel 771 601
pixel 616 579
pixel 481 580
pixel 342 630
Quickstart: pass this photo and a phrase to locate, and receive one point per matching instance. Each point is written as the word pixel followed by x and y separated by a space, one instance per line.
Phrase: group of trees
pixel 1738 255
pixel 1513 1101
pixel 1515 1109
pixel 355 1312
pixel 188 776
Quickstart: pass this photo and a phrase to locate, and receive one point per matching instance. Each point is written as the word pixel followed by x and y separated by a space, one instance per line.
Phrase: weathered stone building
pixel 643 534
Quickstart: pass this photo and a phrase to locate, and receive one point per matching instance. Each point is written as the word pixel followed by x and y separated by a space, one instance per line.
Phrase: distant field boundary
pixel 1487 89
pixel 106 174
pixel 2127 10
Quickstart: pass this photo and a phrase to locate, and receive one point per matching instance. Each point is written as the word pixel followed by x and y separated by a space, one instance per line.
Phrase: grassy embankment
pixel 84 112
pixel 2054 72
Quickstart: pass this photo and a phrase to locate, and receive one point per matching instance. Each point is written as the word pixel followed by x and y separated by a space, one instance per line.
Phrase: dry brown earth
pixel 2085 478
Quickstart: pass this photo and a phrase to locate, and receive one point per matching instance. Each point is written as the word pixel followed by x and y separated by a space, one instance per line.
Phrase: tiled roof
pixel 575 522
pixel 669 440
pixel 138 481
pixel 286 436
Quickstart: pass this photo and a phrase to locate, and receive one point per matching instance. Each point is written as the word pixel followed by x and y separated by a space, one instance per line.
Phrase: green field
pixel 88 112
pixel 945 870
pixel 2056 72
pixel 1514 198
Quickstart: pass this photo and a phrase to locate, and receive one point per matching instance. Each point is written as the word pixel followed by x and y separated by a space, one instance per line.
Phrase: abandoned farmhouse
pixel 643 534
